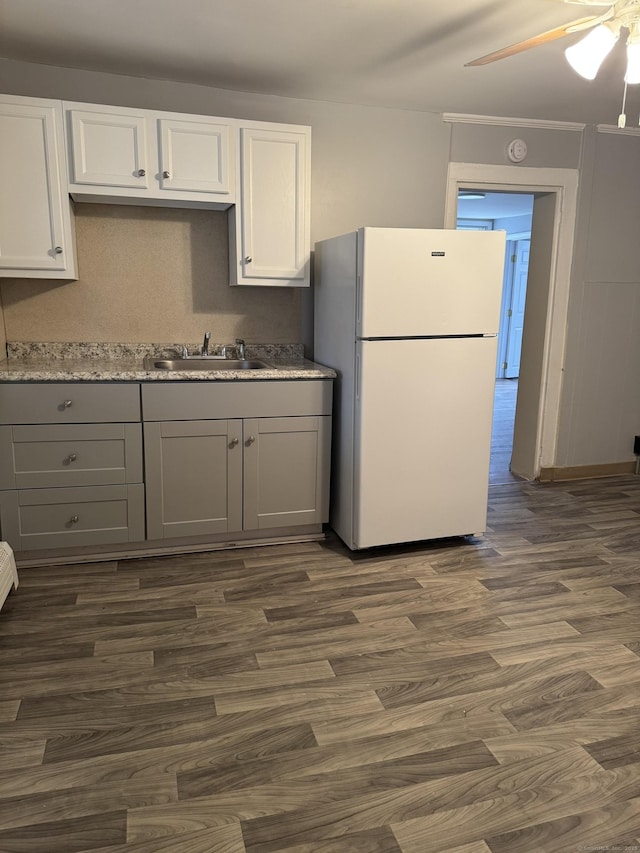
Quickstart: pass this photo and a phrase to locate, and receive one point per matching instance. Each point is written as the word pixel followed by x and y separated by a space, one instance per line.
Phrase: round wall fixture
pixel 517 150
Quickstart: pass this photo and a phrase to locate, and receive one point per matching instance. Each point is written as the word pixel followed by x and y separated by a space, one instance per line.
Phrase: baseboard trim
pixel 169 547
pixel 586 472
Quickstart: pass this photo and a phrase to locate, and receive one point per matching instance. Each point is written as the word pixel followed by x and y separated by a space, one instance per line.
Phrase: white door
pixel 274 179
pixel 423 438
pixel 416 282
pixel 34 222
pixel 109 149
pixel 516 309
pixel 194 156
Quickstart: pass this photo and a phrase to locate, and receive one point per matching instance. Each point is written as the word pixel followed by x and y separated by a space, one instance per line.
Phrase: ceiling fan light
pixel 587 55
pixel 633 64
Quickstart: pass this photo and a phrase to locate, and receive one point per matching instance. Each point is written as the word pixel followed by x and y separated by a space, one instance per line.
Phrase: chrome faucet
pixel 205 344
pixel 240 345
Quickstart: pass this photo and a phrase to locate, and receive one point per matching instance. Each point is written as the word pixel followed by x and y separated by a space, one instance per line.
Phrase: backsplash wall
pixel 149 274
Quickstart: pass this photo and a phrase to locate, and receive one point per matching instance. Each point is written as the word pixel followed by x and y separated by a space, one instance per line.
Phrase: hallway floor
pixel 502 435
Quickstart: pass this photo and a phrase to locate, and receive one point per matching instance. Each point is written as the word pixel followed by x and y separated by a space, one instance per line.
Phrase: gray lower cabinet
pixel 285 471
pixel 85 464
pixel 62 518
pixel 193 477
pixel 70 473
pixel 209 475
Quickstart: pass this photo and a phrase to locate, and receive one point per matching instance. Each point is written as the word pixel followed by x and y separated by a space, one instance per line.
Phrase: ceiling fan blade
pixel 535 41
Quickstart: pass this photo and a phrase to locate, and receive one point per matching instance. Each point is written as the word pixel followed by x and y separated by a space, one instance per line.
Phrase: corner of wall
pixel 3 330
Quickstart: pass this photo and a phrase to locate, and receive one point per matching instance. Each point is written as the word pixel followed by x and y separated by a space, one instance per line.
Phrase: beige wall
pixel 150 274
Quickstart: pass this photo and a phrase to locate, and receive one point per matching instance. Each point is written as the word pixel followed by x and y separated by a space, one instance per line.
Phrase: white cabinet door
pixel 35 215
pixel 273 246
pixel 109 149
pixel 194 156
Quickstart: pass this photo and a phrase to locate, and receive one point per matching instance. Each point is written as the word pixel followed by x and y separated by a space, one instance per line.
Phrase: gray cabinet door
pixel 193 477
pixel 286 471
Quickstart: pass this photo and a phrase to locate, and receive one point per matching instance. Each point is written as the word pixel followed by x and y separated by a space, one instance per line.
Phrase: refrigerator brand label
pixel 437 254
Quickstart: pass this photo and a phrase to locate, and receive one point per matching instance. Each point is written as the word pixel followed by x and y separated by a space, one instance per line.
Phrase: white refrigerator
pixel 409 318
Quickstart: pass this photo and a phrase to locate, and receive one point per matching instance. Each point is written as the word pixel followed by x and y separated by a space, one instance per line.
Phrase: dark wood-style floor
pixel 467 696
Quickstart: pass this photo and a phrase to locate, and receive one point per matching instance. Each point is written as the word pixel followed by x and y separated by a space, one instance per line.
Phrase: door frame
pixel 563 183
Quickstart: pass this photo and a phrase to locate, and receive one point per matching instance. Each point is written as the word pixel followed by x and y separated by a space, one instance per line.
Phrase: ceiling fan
pixel 622 13
pixel 587 55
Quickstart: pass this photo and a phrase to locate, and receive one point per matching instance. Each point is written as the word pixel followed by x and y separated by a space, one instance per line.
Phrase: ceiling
pixel 496 206
pixel 407 54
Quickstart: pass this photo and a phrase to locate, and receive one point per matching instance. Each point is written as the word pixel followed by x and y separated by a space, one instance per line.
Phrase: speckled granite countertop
pixel 71 362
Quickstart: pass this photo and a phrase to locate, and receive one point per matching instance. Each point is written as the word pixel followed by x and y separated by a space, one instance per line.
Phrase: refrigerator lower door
pixel 424 411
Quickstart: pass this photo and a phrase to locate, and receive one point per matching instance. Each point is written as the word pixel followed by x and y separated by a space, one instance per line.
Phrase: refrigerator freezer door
pixel 415 282
pixel 423 438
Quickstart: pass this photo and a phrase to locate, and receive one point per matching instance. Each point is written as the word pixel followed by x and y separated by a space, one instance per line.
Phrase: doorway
pixel 555 194
pixel 511 212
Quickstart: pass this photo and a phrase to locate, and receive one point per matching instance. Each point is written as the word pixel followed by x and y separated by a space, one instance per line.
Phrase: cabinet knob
pixel 234 442
pixel 72 457
pixel 250 440
pixel 58 250
pixel 141 173
pixel 248 259
pixel 166 174
pixel 67 404
pixel 74 519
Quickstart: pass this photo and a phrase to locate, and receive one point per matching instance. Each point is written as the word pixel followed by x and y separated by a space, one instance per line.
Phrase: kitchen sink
pixel 195 363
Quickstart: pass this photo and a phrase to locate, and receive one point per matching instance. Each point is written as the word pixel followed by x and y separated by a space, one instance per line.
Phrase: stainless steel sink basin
pixel 195 363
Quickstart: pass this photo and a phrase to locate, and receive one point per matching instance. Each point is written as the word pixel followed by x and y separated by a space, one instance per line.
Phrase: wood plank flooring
pixel 469 696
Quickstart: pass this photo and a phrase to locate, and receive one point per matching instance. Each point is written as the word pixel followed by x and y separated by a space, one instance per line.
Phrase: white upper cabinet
pixel 108 150
pixel 195 156
pixel 270 228
pixel 49 150
pixel 36 236
pixel 123 154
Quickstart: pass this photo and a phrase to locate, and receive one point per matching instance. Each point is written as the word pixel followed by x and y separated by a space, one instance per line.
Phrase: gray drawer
pixel 63 518
pixel 69 402
pixel 70 455
pixel 192 401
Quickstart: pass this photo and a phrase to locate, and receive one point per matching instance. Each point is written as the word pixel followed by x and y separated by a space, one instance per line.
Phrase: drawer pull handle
pixel 67 404
pixel 234 442
pixel 250 440
pixel 71 458
pixel 74 519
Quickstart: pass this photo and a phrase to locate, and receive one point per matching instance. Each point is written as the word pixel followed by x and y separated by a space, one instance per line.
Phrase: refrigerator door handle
pixel 357 376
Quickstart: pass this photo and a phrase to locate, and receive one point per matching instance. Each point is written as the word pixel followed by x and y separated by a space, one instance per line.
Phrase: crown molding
pixel 464 118
pixel 613 128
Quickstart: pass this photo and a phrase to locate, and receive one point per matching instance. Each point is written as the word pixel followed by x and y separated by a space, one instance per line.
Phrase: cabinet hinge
pixel 514 258
pixel 504 365
pixel 509 312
